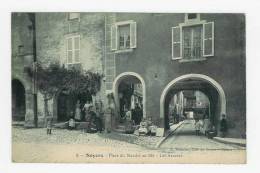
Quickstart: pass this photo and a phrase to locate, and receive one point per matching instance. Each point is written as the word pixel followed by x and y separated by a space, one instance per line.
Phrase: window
pixel 123 36
pixel 20 49
pixel 73 16
pixel 73 49
pixel 73 22
pixel 192 17
pixel 193 41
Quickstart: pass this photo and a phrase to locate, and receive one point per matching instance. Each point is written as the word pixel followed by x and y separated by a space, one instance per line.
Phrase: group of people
pixel 88 113
pixel 134 115
pixel 176 113
pixel 209 129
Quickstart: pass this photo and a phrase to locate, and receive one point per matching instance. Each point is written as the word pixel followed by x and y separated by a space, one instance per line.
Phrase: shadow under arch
pixel 18 100
pixel 201 77
pixel 120 78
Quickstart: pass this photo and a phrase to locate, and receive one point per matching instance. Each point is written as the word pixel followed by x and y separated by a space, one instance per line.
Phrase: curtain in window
pixel 192 42
pixel 187 39
pixel 124 36
pixel 197 51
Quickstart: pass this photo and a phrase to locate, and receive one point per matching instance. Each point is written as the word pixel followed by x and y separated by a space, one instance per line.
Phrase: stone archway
pixel 18 100
pixel 124 76
pixel 200 77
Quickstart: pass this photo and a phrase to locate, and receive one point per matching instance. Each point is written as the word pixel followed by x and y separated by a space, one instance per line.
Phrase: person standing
pixel 177 117
pixel 108 119
pixel 139 115
pixel 197 127
pixel 78 111
pixel 223 126
pixel 86 109
pixel 128 115
pixel 49 124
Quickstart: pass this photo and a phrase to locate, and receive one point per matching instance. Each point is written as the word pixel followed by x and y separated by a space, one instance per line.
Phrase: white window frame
pixel 73 48
pixel 192 38
pixel 75 18
pixel 190 23
pixel 115 27
pixel 125 39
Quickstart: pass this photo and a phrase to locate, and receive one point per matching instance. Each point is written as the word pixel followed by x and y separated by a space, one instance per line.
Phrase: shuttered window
pixel 73 49
pixel 193 41
pixel 123 35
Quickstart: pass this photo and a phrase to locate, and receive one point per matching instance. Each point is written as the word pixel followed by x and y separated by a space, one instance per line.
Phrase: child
pixel 72 124
pixel 197 127
pixel 49 124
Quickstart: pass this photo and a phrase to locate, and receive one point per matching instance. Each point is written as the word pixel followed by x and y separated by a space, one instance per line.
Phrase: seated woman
pixel 72 123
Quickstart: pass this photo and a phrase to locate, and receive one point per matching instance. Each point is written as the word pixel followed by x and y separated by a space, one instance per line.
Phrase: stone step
pixel 18 123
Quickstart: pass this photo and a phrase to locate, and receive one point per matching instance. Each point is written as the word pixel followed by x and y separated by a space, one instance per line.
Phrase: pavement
pixel 65 146
pixel 235 141
pixel 184 138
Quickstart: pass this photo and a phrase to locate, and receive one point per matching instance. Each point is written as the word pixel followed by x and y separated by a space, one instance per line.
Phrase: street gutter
pixel 167 135
pixel 233 141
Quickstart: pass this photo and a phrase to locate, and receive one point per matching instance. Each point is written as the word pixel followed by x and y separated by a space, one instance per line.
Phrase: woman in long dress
pixel 78 111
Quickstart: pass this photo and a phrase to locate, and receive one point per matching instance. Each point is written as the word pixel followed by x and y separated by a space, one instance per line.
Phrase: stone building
pixel 70 39
pixel 169 53
pixel 164 53
pixel 23 105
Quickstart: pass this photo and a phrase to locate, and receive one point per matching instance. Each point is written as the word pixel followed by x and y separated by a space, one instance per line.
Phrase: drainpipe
pixel 32 19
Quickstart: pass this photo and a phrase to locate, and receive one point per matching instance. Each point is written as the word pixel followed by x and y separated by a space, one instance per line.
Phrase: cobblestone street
pixel 184 139
pixel 62 136
pixel 33 145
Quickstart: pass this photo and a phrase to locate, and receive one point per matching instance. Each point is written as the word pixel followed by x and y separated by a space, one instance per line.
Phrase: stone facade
pixel 53 30
pixel 149 58
pixel 152 60
pixel 22 61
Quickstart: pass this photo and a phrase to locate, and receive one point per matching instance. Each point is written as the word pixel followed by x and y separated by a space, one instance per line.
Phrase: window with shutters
pixel 123 36
pixel 193 41
pixel 73 49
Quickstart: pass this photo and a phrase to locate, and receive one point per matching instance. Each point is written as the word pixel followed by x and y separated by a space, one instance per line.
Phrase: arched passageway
pixel 18 101
pixel 66 104
pixel 186 88
pixel 129 94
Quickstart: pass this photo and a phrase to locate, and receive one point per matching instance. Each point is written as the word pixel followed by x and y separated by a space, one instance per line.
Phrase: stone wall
pixel 52 31
pixel 22 60
pixel 152 59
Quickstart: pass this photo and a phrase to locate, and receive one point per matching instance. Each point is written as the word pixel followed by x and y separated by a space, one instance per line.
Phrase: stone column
pixel 29 104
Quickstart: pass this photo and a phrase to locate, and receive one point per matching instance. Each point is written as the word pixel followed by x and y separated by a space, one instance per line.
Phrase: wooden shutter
pixel 69 50
pixel 176 42
pixel 208 39
pixel 114 37
pixel 133 35
pixel 76 49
